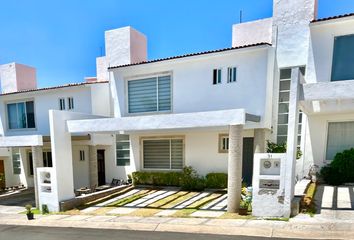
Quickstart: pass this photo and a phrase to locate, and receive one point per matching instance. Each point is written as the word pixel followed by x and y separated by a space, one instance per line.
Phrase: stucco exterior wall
pixel 16 77
pixel 252 32
pixel 319 67
pixel 192 82
pixel 102 69
pixel 200 151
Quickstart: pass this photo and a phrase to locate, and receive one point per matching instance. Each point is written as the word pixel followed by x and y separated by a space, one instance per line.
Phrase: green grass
pixel 127 200
pixel 35 211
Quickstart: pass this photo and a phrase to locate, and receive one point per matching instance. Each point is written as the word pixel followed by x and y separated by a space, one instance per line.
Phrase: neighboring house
pixel 288 78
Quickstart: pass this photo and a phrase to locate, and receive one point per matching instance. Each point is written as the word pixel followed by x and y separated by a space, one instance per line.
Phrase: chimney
pixel 291 31
pixel 17 77
pixel 125 46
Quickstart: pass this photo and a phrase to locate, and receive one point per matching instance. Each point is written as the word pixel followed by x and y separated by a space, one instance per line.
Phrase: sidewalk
pixel 303 227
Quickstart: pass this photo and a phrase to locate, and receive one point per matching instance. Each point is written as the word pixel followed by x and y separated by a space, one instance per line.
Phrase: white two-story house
pixel 287 78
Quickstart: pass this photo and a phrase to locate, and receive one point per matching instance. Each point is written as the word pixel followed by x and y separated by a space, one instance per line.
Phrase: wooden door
pixel 101 167
pixel 2 174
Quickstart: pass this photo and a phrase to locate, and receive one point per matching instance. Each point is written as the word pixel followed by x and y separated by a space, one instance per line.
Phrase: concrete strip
pixel 55 217
pixel 327 197
pixel 122 210
pixel 100 218
pixel 226 222
pixel 343 198
pixel 90 209
pixel 313 234
pixel 187 221
pixel 126 219
pixel 130 193
pixel 215 202
pixel 76 218
pixel 221 230
pixel 154 220
pixel 145 198
pixel 207 214
pixel 157 198
pixel 164 213
pixel 192 200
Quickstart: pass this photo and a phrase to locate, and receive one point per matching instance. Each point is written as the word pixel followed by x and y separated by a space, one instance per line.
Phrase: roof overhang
pixel 163 121
pixel 21 141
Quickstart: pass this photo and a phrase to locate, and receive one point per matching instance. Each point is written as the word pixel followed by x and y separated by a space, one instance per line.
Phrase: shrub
pixel 157 178
pixel 45 209
pixel 341 169
pixel 191 180
pixel 280 148
pixel 216 180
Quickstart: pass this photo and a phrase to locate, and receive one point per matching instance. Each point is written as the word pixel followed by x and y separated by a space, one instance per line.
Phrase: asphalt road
pixel 8 232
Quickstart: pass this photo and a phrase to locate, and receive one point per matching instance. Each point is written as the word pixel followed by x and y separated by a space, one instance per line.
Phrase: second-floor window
pixel 62 103
pixel 70 103
pixel 21 115
pixel 231 74
pixel 343 58
pixel 216 76
pixel 149 94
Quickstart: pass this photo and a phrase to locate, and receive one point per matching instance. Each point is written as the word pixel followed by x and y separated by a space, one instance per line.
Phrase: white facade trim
pixel 21 141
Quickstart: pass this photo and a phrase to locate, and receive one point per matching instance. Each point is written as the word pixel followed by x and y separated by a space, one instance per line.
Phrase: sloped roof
pixel 191 55
pixel 52 88
pixel 333 17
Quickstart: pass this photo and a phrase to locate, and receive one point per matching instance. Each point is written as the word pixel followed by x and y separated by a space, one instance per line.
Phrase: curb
pixel 184 228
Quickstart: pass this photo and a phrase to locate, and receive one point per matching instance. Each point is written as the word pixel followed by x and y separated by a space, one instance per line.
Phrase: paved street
pixel 43 233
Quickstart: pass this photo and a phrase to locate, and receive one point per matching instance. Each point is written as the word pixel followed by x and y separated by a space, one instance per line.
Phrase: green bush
pixel 280 148
pixel 191 180
pixel 341 169
pixel 157 178
pixel 216 180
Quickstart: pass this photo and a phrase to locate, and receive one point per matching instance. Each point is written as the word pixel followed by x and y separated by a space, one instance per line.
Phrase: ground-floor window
pixel 123 150
pixel 163 153
pixel 223 143
pixel 16 160
pixel 47 159
pixel 339 138
pixel 30 163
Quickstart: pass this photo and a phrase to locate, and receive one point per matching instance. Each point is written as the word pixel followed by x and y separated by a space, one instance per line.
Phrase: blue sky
pixel 63 38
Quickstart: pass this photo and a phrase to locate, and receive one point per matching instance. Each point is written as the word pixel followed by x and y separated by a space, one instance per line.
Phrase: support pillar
pixel 93 165
pixel 259 141
pixel 234 168
pixel 290 165
pixel 37 158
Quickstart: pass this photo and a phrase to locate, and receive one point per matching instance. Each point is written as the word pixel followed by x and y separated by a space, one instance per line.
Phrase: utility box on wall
pixel 268 184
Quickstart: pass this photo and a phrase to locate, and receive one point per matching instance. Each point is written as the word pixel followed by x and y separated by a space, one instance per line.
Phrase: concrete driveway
pixel 15 203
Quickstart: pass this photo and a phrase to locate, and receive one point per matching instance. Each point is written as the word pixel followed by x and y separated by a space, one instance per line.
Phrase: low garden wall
pixel 83 199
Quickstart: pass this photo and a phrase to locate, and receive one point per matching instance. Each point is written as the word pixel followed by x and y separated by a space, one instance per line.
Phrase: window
pixel 123 150
pixel 82 155
pixel 231 74
pixel 47 159
pixel 216 76
pixel 16 160
pixel 62 103
pixel 343 58
pixel 283 106
pixel 223 143
pixel 30 163
pixel 340 137
pixel 163 153
pixel 149 95
pixel 21 115
pixel 70 103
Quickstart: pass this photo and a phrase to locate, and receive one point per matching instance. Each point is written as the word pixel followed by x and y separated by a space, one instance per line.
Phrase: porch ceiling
pixel 163 121
pixel 21 141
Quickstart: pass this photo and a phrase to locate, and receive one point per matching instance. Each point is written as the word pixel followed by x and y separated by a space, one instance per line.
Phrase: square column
pixel 259 140
pixel 93 165
pixel 234 184
pixel 37 158
pixel 292 140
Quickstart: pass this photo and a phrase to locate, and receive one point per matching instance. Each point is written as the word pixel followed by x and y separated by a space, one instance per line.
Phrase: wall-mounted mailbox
pixel 270 166
pixel 269 184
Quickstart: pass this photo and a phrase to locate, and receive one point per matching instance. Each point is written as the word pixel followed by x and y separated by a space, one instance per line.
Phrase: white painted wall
pixel 319 67
pixel 49 99
pixel 201 151
pixel 192 88
pixel 80 168
pixel 252 32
